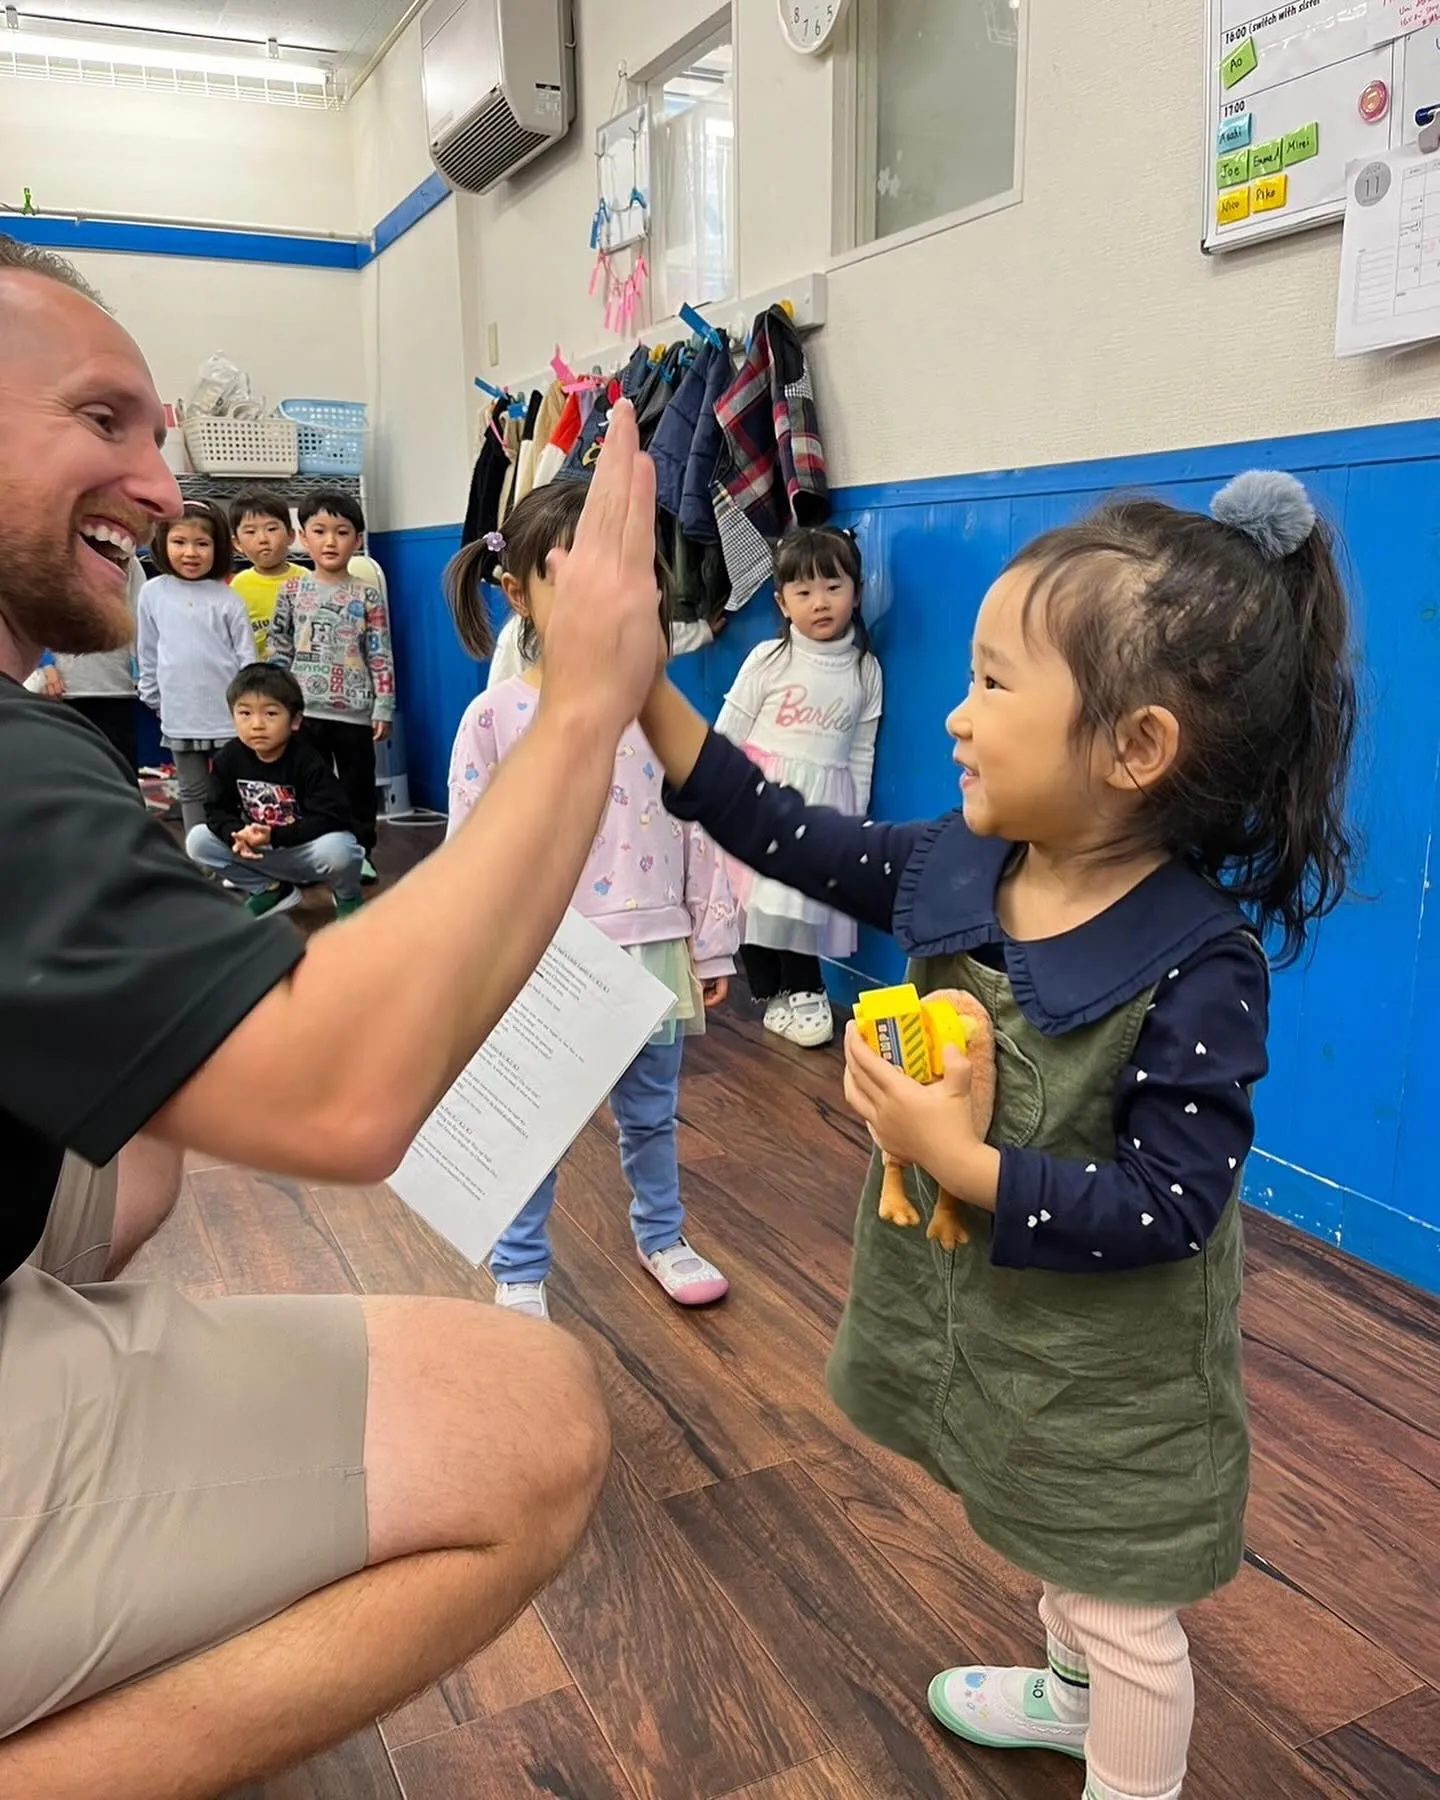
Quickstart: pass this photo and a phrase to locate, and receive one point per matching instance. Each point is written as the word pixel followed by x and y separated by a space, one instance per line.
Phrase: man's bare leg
pixel 149 1184
pixel 472 1510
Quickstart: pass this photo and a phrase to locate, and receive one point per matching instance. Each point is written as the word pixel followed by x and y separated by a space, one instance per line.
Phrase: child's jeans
pixel 644 1104
pixel 331 861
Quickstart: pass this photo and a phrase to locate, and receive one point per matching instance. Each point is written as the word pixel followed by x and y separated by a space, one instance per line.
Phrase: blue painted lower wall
pixel 1349 1119
pixel 436 679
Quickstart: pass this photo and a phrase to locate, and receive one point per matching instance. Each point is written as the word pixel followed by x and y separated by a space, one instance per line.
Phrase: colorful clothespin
pixel 614 304
pixel 634 292
pixel 28 209
pixel 701 326
pixel 599 222
pixel 485 387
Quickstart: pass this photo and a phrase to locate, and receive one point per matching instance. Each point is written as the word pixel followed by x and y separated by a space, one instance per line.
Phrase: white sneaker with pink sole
pixel 686 1276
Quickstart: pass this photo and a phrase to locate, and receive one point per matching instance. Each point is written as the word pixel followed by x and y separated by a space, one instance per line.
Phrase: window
pixel 934 114
pixel 692 169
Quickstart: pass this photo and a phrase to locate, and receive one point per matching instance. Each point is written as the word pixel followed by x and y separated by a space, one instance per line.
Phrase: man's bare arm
pixel 355 1049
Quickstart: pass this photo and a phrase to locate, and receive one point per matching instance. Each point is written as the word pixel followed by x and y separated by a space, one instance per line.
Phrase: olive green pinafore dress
pixel 1093 1425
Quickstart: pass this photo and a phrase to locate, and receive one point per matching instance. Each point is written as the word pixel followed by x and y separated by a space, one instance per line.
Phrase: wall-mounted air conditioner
pixel 499 84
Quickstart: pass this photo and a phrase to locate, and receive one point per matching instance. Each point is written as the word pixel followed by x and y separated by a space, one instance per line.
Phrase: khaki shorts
pixel 172 1472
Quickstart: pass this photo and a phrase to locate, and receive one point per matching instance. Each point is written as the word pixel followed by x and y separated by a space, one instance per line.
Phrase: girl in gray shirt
pixel 193 637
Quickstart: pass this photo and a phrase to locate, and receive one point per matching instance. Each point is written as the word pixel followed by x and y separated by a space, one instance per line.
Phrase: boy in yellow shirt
pixel 260 524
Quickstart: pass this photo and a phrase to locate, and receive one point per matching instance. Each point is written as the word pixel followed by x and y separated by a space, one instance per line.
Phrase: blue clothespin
pixel 485 387
pixel 597 224
pixel 638 199
pixel 701 326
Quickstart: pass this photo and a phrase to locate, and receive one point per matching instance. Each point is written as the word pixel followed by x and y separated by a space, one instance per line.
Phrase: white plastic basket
pixel 332 435
pixel 242 446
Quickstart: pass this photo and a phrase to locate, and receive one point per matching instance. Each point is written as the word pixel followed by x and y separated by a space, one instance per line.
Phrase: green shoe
pixel 279 897
pixel 344 908
pixel 1004 1709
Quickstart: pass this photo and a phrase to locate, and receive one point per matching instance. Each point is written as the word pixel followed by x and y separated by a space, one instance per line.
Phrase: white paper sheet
pixel 1295 36
pixel 1390 253
pixel 574 1029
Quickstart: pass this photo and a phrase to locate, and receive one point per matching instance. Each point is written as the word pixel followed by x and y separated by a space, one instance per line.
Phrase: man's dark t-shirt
pixel 121 969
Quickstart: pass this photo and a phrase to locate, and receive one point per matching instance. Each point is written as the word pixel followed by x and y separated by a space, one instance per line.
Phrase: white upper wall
pixel 387 125
pixel 1082 323
pixel 174 155
pixel 296 331
pixel 412 316
pixel 1085 322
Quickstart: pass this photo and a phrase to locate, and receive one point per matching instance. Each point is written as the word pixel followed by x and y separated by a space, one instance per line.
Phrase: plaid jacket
pixel 773 464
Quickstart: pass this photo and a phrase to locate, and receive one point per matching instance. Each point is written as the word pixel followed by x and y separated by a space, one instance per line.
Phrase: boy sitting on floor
pixel 276 819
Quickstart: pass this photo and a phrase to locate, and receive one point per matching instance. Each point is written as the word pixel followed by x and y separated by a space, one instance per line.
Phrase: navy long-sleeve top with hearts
pixel 1183 1119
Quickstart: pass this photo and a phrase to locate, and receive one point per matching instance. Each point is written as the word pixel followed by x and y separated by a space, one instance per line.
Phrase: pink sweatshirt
pixel 650 879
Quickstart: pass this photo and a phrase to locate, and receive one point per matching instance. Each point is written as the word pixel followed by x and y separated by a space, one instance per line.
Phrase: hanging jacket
pixel 653 401
pixel 698 584
pixel 482 514
pixel 675 435
pixel 629 386
pixel 562 441
pixel 775 472
pixel 697 509
pixel 529 448
pixel 514 432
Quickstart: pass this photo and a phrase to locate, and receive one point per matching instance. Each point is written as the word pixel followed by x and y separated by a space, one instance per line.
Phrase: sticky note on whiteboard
pixel 1238 64
pixel 1234 134
pixel 1300 146
pixel 1268 159
pixel 1231 208
pixel 1269 195
pixel 1233 170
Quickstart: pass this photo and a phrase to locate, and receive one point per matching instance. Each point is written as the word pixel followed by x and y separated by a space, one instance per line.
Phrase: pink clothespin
pixel 561 370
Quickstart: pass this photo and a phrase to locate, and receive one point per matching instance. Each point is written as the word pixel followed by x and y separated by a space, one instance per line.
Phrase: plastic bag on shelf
pixel 222 391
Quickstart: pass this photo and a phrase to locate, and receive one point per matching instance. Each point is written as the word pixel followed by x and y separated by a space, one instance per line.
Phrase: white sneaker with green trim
pixel 1004 1709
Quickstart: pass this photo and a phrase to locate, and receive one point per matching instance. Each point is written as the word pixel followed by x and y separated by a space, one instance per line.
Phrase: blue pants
pixel 331 861
pixel 644 1104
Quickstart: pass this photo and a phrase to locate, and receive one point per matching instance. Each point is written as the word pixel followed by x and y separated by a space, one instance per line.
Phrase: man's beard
pixel 43 601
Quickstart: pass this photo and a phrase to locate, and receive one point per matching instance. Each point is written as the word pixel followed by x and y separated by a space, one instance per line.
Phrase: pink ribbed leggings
pixel 1135 1662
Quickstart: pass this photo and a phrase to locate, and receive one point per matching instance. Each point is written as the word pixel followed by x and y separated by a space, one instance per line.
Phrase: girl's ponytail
pixel 464 585
pixel 1302 809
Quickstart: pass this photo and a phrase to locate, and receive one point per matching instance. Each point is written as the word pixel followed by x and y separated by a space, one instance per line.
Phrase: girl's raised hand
pixel 603 643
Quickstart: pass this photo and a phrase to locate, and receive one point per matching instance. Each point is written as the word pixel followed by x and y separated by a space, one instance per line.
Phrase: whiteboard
pixel 1298 91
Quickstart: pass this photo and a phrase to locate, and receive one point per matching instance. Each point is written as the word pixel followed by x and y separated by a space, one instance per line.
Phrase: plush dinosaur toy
pixel 912 1033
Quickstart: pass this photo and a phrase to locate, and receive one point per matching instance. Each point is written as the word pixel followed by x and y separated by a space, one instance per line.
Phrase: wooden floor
pixel 765 1597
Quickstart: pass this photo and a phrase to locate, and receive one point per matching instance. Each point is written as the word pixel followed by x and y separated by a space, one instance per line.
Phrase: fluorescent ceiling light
pixel 259 67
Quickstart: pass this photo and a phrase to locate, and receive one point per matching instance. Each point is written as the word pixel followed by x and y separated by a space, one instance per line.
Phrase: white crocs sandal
pixel 812 1023
pixel 778 1016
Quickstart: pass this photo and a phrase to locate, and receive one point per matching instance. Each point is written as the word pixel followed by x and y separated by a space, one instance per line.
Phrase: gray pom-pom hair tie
pixel 1270 507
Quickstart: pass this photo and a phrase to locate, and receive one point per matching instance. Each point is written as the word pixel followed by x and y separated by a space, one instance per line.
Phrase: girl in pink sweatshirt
pixel 654 886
